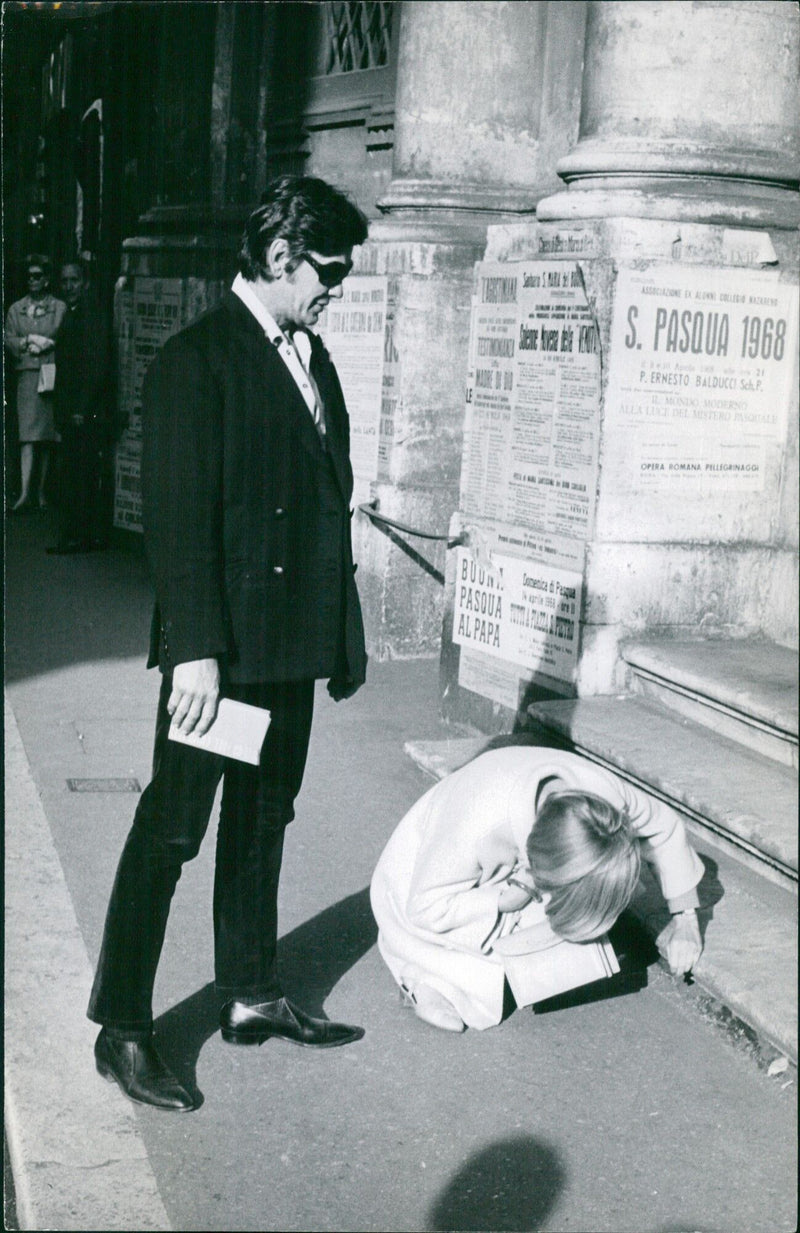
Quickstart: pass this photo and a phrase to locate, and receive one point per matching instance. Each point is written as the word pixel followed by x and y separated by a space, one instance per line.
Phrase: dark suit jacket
pixel 81 356
pixel 231 483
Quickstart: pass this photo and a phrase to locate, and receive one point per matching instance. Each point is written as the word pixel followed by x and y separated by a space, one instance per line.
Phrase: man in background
pixel 82 411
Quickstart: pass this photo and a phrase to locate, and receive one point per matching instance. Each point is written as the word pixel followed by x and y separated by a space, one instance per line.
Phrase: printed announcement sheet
pixel 390 386
pixel 529 475
pixel 158 313
pixel 354 330
pixel 533 391
pixel 146 317
pixel 519 610
pixel 702 360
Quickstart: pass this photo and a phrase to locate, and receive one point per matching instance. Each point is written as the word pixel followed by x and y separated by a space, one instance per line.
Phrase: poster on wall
pixel 158 312
pixel 127 491
pixel 146 317
pixel 354 331
pixel 521 610
pixel 491 678
pixel 533 399
pixel 702 361
pixel 390 385
pixel 124 331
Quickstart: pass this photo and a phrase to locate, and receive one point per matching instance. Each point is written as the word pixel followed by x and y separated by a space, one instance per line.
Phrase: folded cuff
pixel 690 899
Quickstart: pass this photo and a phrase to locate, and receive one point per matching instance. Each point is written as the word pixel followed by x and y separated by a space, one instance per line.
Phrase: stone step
pixel 749 927
pixel 736 798
pixel 744 689
pixel 749 961
pixel 439 758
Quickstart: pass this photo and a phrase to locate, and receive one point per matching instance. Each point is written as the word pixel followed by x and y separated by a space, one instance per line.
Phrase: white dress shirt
pixel 295 351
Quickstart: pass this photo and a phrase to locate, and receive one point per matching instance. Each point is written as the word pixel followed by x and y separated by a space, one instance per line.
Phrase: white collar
pixel 244 290
pixel 295 351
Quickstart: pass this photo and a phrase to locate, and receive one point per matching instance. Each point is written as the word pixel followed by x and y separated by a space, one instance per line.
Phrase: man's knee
pixel 275 812
pixel 173 814
pixel 174 847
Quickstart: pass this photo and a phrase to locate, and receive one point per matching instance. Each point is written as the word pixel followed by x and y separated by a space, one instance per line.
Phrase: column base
pixel 725 201
pixel 429 259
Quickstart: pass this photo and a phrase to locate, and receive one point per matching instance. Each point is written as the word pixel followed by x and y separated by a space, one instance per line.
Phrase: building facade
pixel 570 344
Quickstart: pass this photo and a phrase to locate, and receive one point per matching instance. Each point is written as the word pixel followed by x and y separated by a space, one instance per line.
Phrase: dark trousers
pixel 79 467
pixel 168 828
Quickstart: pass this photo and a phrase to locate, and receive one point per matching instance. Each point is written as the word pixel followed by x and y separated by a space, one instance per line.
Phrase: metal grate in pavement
pixel 103 785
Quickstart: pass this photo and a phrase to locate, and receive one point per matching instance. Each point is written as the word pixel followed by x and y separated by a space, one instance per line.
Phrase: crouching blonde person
pixel 515 865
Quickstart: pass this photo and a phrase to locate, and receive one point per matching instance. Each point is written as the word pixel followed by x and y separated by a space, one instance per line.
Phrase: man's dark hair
pixel 311 215
pixel 79 263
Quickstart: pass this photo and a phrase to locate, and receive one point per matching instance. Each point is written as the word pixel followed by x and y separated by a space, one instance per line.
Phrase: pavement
pixel 641 1112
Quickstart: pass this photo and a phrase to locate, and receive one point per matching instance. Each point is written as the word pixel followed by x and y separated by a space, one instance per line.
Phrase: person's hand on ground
pixel 680 943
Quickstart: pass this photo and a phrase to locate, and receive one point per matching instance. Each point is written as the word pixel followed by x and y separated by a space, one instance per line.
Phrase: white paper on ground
pixel 238 732
pixel 564 966
pixel 539 964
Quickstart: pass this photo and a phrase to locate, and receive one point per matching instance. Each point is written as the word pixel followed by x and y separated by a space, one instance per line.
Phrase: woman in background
pixel 31 327
pixel 507 859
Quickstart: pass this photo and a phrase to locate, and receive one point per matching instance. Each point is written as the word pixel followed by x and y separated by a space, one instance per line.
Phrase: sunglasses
pixel 331 273
pixel 35 273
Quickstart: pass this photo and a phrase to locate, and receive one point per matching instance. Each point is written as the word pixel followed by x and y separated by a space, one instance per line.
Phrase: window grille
pixel 56 78
pixel 359 35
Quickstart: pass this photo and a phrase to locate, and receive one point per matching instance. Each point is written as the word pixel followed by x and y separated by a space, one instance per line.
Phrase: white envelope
pixel 238 732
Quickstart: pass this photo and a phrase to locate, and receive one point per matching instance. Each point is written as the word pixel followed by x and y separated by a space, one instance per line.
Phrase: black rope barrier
pixel 372 513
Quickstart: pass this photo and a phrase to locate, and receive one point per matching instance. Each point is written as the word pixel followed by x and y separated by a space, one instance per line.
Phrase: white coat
pixel 436 886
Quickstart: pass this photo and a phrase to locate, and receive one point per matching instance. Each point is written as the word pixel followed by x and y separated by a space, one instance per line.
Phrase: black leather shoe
pixel 252 1025
pixel 140 1072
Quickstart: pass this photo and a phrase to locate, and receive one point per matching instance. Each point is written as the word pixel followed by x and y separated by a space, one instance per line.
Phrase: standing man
pixel 246 484
pixel 82 416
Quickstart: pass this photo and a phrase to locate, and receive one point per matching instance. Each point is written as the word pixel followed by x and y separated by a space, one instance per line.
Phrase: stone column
pixel 183 256
pixel 238 106
pixel 685 172
pixel 688 115
pixel 487 94
pixel 688 111
pixel 486 97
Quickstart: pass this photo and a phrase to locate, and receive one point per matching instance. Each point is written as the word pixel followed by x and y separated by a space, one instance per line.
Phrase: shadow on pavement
pixel 63 611
pixel 709 889
pixel 635 953
pixel 685 1228
pixel 512 1184
pixel 313 958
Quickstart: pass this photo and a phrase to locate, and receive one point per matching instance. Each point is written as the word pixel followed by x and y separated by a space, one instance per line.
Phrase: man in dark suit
pixel 246 485
pixel 82 413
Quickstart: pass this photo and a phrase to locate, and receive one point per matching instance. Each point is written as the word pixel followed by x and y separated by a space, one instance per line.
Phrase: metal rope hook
pixel 370 508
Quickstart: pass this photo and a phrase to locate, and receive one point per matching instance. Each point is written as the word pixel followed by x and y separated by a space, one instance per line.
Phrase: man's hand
pixel 195 693
pixel 680 943
pixel 341 687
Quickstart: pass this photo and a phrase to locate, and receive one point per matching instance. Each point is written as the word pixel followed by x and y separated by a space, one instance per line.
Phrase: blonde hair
pixel 584 855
